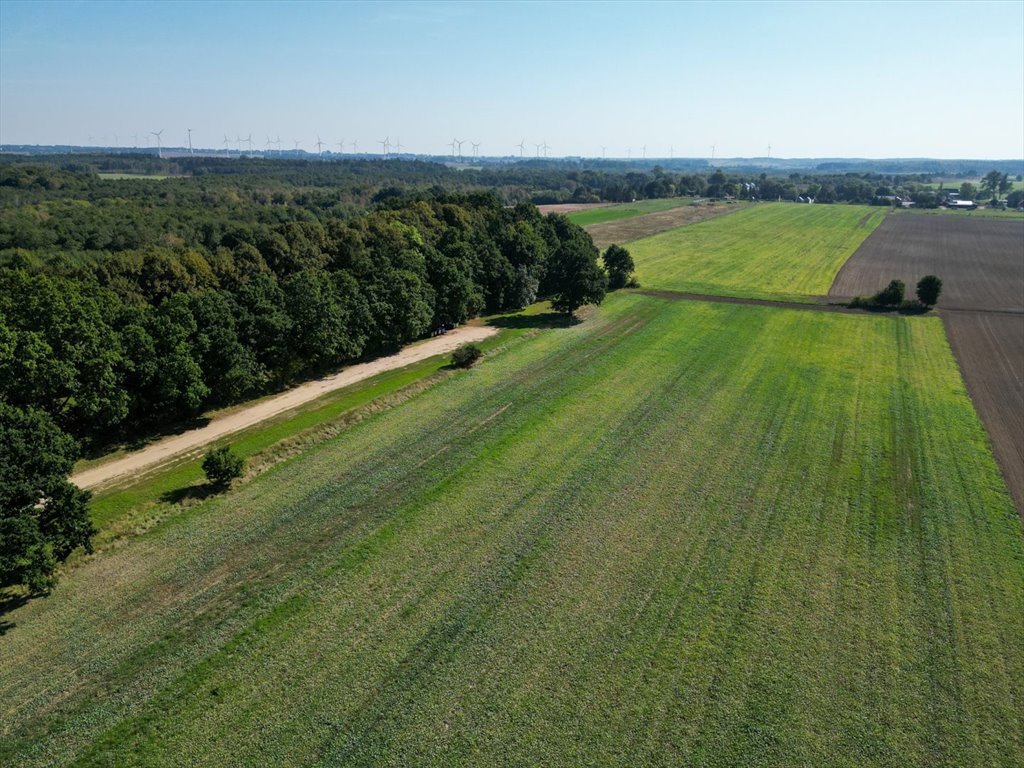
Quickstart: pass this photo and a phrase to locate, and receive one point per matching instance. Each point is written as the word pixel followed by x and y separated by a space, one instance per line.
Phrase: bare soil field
pixel 990 349
pixel 981 263
pixel 626 230
pixel 570 207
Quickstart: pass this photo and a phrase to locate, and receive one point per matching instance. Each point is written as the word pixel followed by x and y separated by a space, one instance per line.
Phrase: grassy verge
pixel 676 533
pixel 140 503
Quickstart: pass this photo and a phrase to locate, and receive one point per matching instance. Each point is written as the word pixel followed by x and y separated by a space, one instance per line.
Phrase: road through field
pixel 173 447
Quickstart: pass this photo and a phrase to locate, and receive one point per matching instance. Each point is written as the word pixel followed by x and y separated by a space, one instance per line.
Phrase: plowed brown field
pixel 981 263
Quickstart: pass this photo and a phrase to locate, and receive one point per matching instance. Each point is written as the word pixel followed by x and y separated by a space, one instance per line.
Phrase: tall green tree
pixel 574 277
pixel 43 517
pixel 928 289
pixel 619 266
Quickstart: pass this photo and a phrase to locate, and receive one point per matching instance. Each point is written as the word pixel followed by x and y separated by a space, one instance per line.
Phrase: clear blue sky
pixel 864 79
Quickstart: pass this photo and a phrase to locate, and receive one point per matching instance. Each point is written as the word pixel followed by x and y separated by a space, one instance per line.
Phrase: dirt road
pixel 172 447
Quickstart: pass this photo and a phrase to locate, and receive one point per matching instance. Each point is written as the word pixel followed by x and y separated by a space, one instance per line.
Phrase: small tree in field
pixel 891 295
pixel 619 266
pixel 465 356
pixel 222 465
pixel 928 289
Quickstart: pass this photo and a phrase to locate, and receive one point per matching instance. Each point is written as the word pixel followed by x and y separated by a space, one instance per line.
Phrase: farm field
pixel 981 263
pixel 626 210
pixel 678 531
pixel 633 228
pixel 990 349
pixel 771 250
pixel 122 176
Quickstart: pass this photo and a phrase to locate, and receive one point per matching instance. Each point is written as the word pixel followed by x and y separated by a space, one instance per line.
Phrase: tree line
pixel 109 346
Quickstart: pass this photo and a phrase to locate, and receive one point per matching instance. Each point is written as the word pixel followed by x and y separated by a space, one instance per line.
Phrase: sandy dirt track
pixel 172 447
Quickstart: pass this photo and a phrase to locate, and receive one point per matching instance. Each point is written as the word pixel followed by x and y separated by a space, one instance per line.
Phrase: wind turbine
pixel 604 151
pixel 644 150
pixel 712 153
pixel 269 144
pixel 226 142
pixel 546 147
pixel 319 146
pixel 157 134
pixel 452 144
pixel 278 142
pixel 460 143
pixel 476 148
pixel 189 141
pixel 341 147
pixel 297 142
pixel 385 144
pixel 629 152
pixel 249 142
pixel 769 151
pixel 355 145
pixel 398 146
pixel 521 145
pixel 538 146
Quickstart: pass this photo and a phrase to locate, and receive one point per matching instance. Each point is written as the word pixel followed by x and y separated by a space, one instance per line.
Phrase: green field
pixel 122 176
pixel 771 250
pixel 676 533
pixel 626 210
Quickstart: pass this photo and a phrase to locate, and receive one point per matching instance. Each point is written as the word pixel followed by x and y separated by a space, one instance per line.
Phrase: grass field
pixel 626 210
pixel 122 176
pixel 771 250
pixel 677 533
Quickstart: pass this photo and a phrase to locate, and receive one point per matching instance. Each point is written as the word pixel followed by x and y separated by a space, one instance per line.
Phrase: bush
pixel 466 356
pixel 891 295
pixel 222 465
pixel 928 289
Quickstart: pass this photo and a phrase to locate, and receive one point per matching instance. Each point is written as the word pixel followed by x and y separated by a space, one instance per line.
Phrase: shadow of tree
pixel 543 320
pixel 8 602
pixel 191 492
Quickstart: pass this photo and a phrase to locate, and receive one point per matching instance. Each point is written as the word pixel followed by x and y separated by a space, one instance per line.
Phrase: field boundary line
pixel 818 306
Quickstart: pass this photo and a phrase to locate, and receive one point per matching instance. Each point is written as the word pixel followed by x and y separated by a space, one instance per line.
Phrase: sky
pixel 920 79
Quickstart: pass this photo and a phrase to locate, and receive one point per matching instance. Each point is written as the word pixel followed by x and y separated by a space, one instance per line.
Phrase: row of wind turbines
pixel 387 147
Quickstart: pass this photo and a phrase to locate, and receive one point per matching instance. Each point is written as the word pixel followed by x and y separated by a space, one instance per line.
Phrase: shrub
pixel 891 295
pixel 466 356
pixel 928 289
pixel 222 465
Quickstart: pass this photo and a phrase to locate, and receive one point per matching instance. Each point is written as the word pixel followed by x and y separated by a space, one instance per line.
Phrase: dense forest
pixel 130 307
